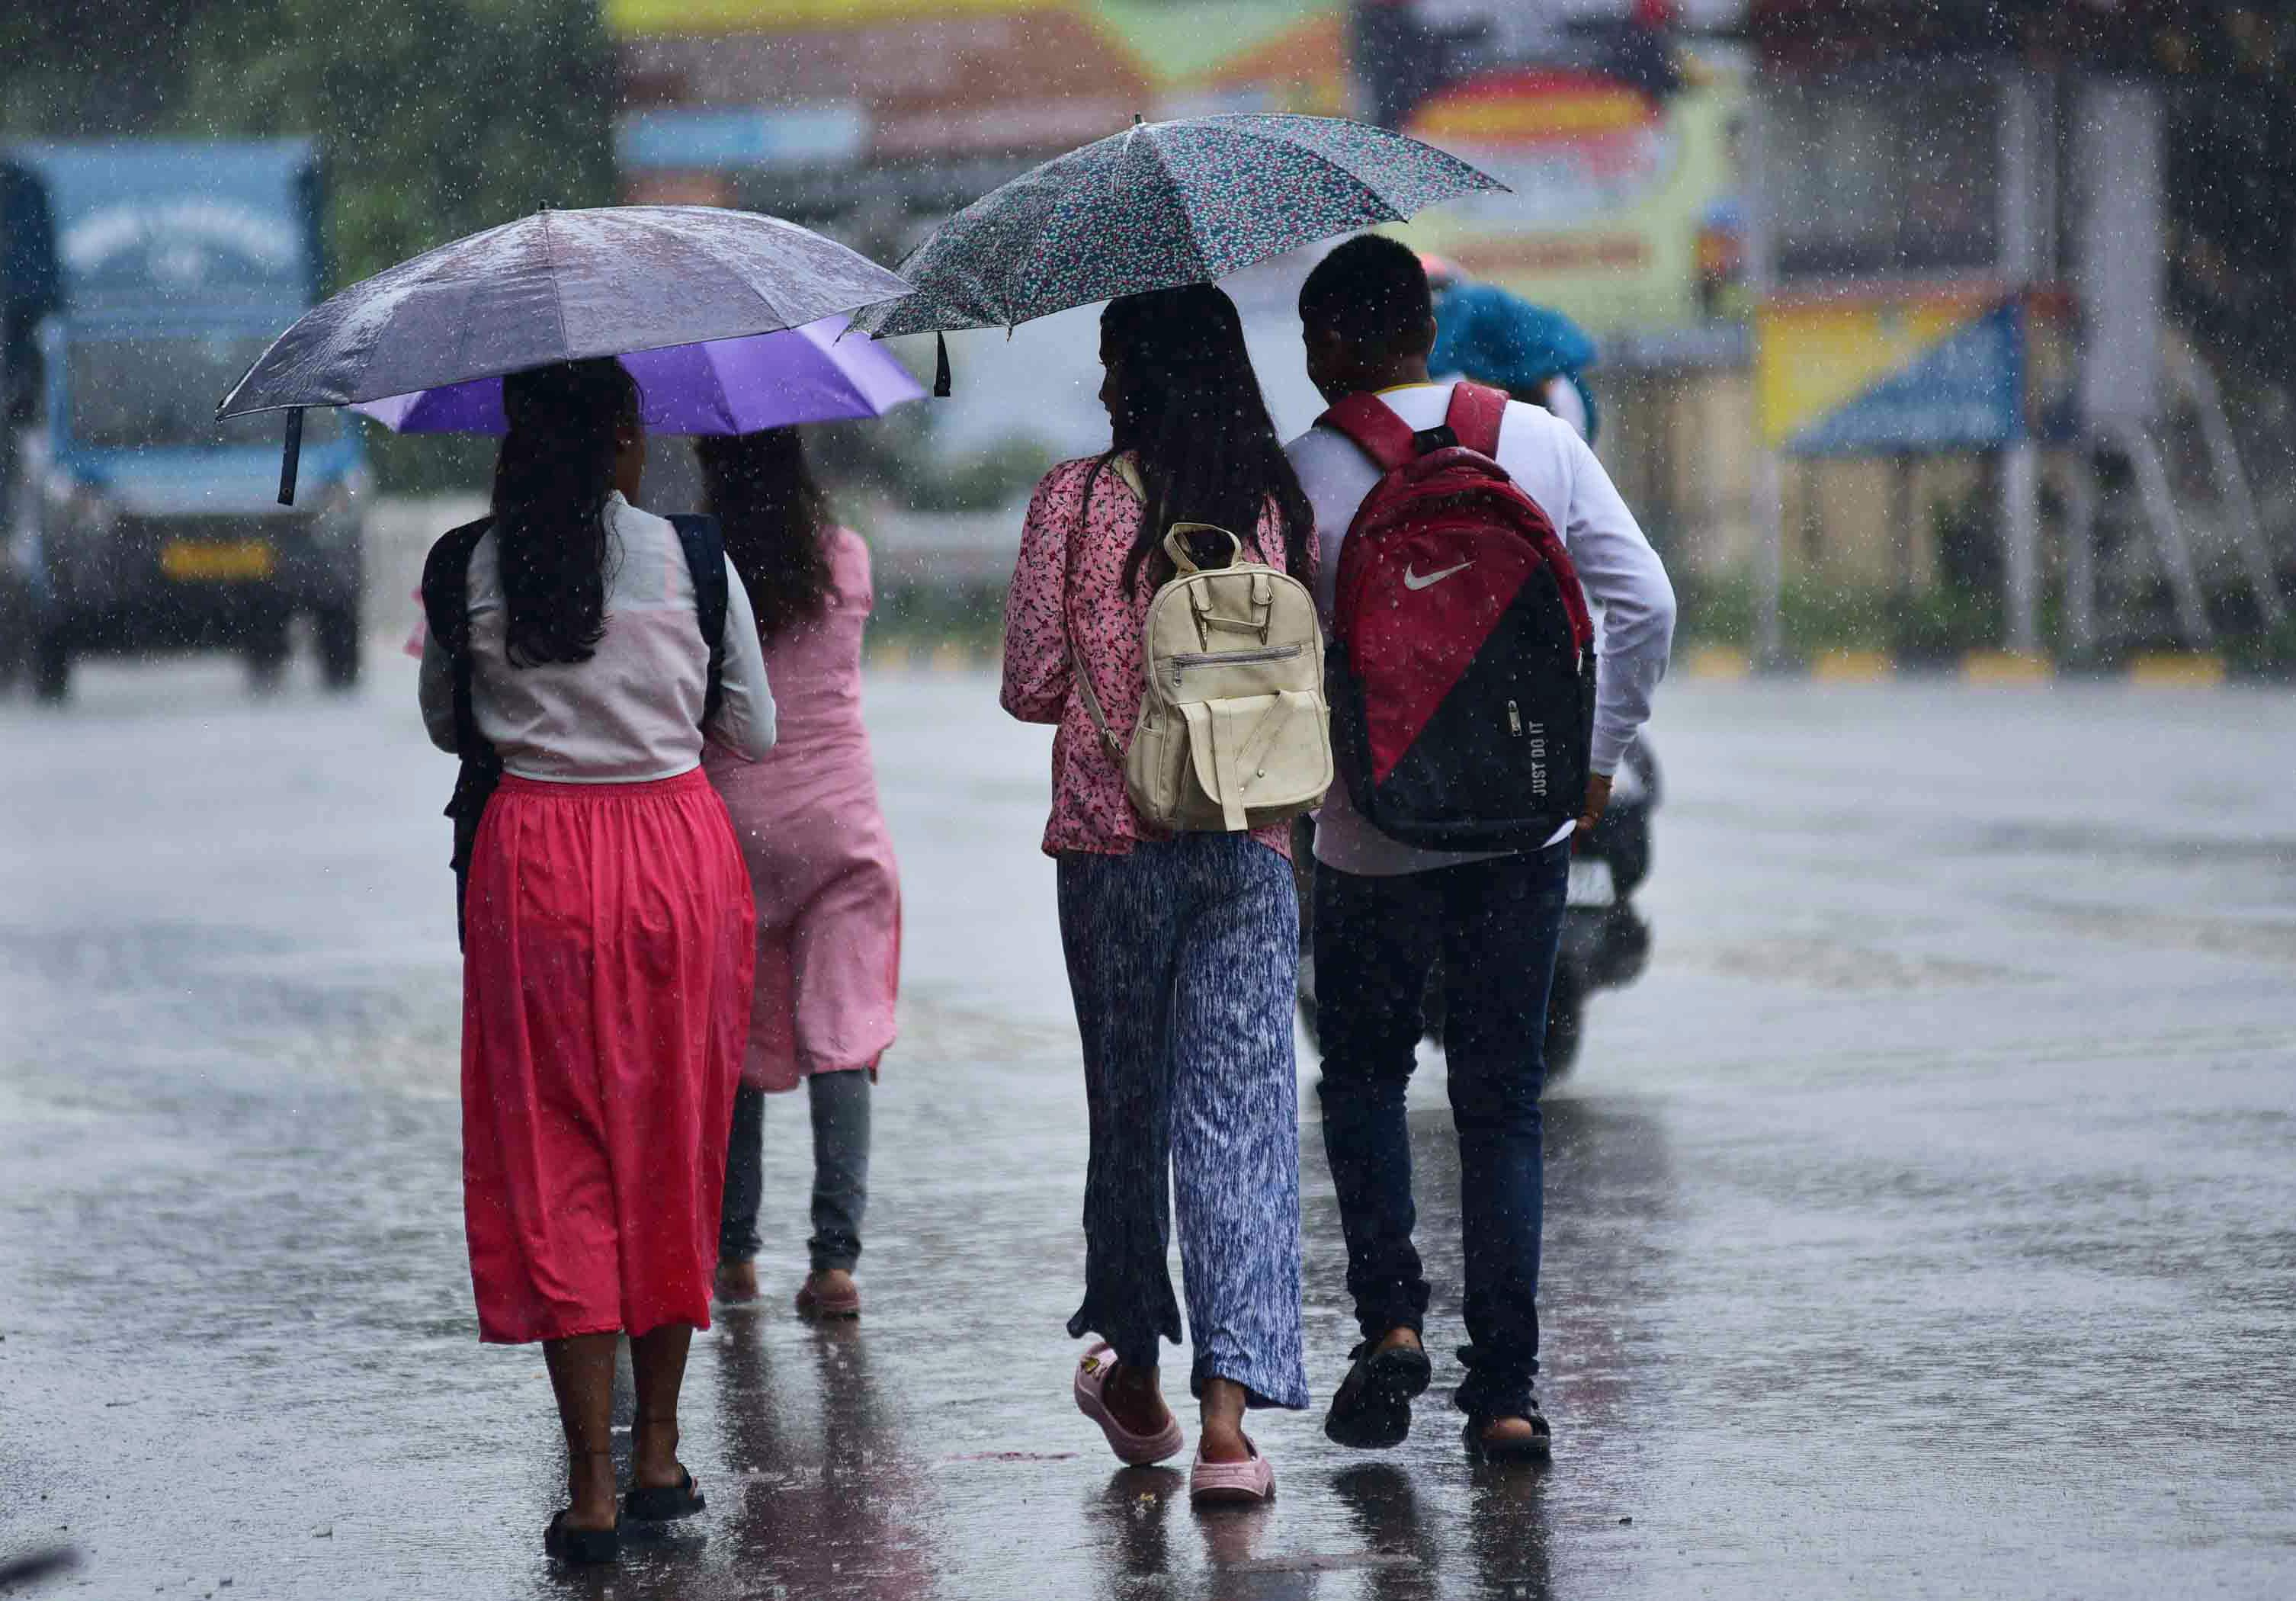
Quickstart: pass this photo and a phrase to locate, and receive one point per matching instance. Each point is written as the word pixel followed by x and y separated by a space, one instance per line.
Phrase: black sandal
pixel 661 1503
pixel 1538 1448
pixel 1371 1411
pixel 583 1547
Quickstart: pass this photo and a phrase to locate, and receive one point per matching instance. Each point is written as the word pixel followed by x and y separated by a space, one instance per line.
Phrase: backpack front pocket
pixel 1259 758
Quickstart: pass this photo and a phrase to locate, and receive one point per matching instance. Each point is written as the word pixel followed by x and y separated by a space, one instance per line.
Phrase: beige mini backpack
pixel 1233 732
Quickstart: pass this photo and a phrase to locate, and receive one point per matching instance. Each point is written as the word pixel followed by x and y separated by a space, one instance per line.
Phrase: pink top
pixel 820 859
pixel 1072 554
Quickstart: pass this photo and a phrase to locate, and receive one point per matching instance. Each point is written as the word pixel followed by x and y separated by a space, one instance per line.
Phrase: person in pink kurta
pixel 820 860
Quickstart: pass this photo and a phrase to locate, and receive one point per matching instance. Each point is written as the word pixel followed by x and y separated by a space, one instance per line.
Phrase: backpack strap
pixel 705 560
pixel 446 610
pixel 1474 417
pixel 1375 429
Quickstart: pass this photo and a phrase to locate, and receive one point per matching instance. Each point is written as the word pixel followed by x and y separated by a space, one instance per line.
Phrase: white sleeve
pixel 1623 575
pixel 1562 397
pixel 435 688
pixel 745 722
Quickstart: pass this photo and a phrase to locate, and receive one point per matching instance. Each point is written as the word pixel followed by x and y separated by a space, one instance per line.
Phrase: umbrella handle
pixel 290 456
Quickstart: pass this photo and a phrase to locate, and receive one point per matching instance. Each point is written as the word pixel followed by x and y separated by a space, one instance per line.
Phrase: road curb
pixel 1982 669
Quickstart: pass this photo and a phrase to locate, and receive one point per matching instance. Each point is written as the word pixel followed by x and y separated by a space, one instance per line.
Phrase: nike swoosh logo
pixel 1412 580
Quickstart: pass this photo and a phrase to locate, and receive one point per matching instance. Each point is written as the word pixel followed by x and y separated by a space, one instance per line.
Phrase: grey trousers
pixel 840 1103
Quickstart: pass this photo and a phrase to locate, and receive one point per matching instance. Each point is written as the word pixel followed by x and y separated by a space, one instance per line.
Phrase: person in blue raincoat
pixel 1536 354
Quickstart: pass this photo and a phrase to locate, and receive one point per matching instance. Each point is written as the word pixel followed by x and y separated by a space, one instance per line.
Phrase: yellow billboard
pixel 1622 210
pixel 943 79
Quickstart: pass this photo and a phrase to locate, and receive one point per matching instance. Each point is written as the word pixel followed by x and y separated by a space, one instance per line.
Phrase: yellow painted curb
pixel 889 659
pixel 2167 670
pixel 950 657
pixel 1851 667
pixel 2005 668
pixel 1718 662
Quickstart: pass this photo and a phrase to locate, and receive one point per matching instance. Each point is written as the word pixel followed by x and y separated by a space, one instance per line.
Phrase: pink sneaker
pixel 1228 1483
pixel 1138 1450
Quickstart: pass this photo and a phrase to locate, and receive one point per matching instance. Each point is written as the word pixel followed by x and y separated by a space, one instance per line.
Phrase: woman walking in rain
pixel 607 929
pixel 1181 948
pixel 820 860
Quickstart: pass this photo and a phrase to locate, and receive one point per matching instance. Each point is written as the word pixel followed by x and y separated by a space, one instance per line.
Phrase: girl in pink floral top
pixel 1181 948
pixel 1083 523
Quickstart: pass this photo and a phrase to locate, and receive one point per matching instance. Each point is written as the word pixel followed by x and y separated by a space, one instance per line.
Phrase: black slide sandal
pixel 587 1548
pixel 1372 1410
pixel 1539 1446
pixel 664 1503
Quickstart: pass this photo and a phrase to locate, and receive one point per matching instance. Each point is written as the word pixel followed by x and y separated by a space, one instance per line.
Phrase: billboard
pixel 731 83
pixel 1892 374
pixel 1623 212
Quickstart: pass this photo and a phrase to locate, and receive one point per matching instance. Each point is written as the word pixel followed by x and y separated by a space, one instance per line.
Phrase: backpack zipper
pixel 1181 661
pixel 1514 720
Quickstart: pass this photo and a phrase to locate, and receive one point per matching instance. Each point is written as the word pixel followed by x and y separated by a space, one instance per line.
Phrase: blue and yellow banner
pixel 1872 375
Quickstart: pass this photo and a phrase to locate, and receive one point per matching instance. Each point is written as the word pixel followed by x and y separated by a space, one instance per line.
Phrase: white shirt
pixel 1622 576
pixel 633 711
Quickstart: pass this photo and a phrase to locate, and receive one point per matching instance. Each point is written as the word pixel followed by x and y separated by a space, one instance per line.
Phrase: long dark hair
pixel 1187 403
pixel 775 515
pixel 551 483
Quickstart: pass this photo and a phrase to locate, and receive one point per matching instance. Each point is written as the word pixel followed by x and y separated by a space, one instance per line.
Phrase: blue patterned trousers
pixel 1182 960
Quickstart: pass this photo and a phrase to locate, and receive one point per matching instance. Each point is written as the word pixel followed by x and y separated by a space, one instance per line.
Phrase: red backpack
pixel 1462 670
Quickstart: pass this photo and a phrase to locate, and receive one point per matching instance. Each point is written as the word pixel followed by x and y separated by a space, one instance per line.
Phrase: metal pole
pixel 2080 556
pixel 2021 522
pixel 2022 231
pixel 1768 498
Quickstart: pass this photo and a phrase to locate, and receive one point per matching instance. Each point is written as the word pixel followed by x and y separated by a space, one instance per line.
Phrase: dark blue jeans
pixel 1496 925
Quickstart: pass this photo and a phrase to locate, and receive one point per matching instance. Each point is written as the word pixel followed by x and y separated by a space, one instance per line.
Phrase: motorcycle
pixel 1606 942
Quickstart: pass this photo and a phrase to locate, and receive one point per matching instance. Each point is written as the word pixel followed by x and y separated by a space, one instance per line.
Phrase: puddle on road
pixel 2168 931
pixel 1829 964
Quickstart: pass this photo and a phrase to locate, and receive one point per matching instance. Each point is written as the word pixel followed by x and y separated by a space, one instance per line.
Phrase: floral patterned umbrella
pixel 1159 205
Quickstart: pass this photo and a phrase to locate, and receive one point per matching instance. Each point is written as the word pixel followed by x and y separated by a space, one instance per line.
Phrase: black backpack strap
pixel 705 559
pixel 447 612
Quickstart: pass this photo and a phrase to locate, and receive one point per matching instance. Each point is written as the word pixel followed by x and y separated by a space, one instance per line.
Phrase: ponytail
pixel 551 480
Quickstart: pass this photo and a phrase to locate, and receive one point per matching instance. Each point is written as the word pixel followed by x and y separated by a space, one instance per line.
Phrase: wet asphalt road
pixel 1924 1224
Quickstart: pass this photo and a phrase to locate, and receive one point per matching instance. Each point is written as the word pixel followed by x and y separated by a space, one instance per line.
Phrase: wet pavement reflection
pixel 1920 1226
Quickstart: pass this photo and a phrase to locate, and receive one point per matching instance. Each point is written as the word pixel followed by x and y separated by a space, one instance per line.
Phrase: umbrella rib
pixel 1187 215
pixel 1021 294
pixel 557 291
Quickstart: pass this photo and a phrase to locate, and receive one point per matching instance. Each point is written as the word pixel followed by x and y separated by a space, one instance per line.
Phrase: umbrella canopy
pixel 1159 205
pixel 725 386
pixel 559 286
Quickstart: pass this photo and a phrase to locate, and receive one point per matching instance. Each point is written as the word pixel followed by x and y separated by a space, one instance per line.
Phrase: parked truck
pixel 138 279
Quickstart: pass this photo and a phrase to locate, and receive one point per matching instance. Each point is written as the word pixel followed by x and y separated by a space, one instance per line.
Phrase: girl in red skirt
pixel 608 940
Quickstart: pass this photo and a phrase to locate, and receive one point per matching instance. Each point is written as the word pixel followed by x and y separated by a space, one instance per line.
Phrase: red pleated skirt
pixel 606 984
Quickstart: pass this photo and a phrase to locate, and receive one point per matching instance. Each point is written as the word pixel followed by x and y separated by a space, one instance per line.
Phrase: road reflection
pixel 824 1500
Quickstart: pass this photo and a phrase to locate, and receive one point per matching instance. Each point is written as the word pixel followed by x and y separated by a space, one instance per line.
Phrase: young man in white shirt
pixel 1385 911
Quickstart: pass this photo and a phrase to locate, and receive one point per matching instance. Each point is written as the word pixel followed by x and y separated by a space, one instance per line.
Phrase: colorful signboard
pixel 905 79
pixel 1884 375
pixel 1622 211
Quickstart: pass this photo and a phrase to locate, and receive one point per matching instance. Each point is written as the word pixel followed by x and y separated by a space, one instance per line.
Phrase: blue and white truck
pixel 138 279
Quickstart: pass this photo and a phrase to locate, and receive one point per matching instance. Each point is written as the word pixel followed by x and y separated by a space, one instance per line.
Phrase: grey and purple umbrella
pixel 556 286
pixel 1161 205
pixel 722 386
